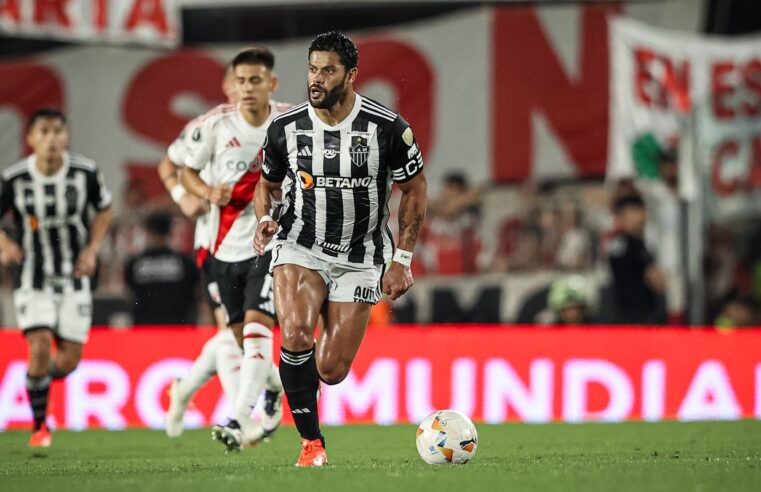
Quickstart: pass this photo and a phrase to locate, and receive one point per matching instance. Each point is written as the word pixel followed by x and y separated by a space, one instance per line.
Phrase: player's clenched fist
pixel 10 253
pixel 397 280
pixel 264 233
pixel 86 263
pixel 219 195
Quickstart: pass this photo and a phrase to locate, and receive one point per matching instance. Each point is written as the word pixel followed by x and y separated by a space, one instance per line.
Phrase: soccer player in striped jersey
pixel 343 151
pixel 227 142
pixel 52 194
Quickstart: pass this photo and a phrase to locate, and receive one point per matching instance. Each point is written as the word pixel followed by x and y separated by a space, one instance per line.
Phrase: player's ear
pixel 274 81
pixel 29 134
pixel 353 74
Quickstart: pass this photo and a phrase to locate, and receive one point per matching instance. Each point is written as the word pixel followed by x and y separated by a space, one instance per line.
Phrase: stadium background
pixel 516 97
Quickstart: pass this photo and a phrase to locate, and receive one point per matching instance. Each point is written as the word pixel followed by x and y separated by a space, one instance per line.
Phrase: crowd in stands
pixel 626 234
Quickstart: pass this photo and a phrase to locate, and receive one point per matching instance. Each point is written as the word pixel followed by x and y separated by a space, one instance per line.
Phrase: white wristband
pixel 266 218
pixel 177 192
pixel 403 257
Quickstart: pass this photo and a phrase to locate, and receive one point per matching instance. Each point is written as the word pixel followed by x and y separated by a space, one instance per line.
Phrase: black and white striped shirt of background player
pixel 342 176
pixel 52 215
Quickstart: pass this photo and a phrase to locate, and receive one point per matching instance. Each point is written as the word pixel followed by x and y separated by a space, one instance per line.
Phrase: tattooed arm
pixel 412 209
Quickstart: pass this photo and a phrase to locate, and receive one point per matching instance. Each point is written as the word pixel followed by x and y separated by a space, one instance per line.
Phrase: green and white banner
pixel 704 91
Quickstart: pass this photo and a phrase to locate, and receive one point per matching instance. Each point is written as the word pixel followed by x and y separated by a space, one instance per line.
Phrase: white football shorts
pixel 345 283
pixel 68 314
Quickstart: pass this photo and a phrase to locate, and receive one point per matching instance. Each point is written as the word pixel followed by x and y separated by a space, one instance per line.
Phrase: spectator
pixel 637 283
pixel 454 217
pixel 163 282
pixel 720 267
pixel 126 236
pixel 738 312
pixel 548 225
pixel 574 250
pixel 665 227
pixel 519 236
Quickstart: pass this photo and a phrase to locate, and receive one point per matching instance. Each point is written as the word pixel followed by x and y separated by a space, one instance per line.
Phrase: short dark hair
pixel 337 43
pixel 159 223
pixel 627 201
pixel 256 55
pixel 46 114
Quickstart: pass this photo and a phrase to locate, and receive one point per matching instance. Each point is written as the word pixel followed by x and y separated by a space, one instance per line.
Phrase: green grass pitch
pixel 670 456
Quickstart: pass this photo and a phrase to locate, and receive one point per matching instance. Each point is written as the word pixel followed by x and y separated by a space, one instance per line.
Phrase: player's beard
pixel 332 96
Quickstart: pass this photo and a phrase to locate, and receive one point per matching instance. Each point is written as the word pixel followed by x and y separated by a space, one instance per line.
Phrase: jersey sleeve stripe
pixel 378 114
pixel 372 104
pixel 221 109
pixel 15 169
pixel 291 112
pixel 82 162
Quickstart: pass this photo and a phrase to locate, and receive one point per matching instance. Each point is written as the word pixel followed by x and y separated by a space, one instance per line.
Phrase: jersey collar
pixel 346 122
pixel 264 125
pixel 32 160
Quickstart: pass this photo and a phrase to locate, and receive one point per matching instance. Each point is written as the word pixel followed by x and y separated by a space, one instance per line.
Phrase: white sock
pixel 202 370
pixel 273 380
pixel 255 369
pixel 229 357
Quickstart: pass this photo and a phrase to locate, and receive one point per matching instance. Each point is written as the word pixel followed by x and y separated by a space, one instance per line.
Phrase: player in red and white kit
pixel 221 354
pixel 226 144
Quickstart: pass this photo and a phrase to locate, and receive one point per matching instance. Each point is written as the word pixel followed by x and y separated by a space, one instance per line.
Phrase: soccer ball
pixel 446 436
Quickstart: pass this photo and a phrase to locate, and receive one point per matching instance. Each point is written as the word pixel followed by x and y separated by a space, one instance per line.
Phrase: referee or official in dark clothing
pixel 637 283
pixel 164 282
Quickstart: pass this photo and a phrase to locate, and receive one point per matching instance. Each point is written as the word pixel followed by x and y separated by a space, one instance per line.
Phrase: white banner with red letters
pixel 145 22
pixel 493 373
pixel 666 86
pixel 525 98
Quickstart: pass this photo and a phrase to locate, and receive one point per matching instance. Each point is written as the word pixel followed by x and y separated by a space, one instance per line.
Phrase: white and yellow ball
pixel 445 437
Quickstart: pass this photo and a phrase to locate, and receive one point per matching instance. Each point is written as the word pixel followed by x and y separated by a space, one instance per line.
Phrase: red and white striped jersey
pixel 228 146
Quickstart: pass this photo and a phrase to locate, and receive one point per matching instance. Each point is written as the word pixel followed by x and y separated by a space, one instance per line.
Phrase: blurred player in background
pixel 221 354
pixel 343 151
pixel 226 144
pixel 62 210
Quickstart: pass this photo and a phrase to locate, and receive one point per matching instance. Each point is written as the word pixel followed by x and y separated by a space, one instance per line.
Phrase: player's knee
pixel 65 365
pixel 39 351
pixel 297 337
pixel 39 344
pixel 334 373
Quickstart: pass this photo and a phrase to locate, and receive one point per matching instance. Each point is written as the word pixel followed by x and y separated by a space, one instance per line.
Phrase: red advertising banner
pixel 494 374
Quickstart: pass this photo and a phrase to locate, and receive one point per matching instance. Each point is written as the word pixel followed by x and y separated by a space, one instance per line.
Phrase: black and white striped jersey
pixel 342 176
pixel 52 215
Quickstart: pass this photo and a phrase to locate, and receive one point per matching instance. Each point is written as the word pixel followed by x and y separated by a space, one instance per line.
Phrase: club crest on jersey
pixel 359 151
pixel 71 197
